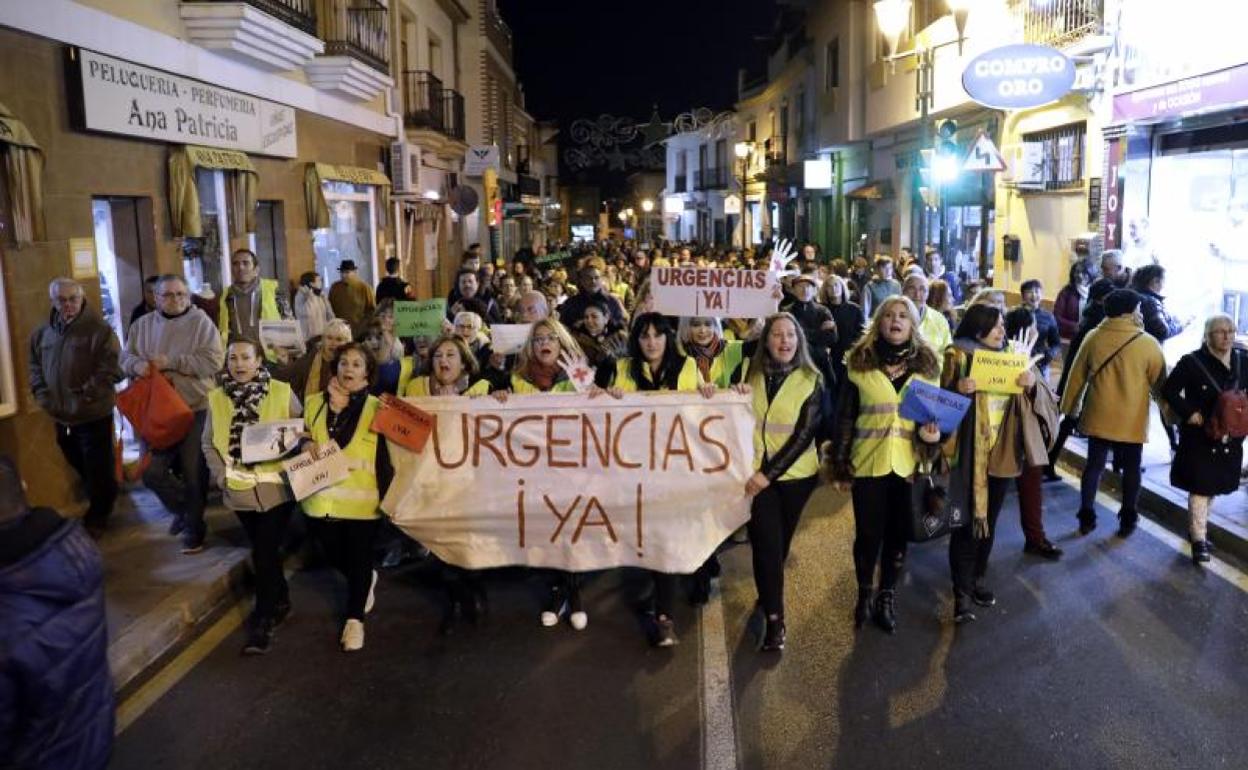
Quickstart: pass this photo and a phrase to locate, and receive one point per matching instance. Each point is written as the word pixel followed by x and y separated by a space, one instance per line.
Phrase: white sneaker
pixel 549 619
pixel 372 598
pixel 579 620
pixel 353 636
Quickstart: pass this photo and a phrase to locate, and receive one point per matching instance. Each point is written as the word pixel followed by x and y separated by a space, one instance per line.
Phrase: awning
pixel 184 194
pixel 875 190
pixel 314 196
pixel 23 160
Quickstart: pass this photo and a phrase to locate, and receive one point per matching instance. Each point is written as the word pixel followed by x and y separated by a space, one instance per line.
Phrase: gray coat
pixel 74 366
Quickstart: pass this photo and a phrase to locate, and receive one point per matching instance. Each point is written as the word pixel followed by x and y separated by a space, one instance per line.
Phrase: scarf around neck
pixel 541 376
pixel 705 355
pixel 889 354
pixel 246 398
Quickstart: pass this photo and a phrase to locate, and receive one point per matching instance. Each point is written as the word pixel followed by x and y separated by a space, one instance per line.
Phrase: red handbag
pixel 157 412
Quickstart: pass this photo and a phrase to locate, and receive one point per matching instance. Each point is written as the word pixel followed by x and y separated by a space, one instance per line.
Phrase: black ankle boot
pixel 963 608
pixel 882 611
pixel 773 636
pixel 862 610
pixel 1200 551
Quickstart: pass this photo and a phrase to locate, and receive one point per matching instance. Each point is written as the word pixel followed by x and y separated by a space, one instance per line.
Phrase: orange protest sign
pixel 402 423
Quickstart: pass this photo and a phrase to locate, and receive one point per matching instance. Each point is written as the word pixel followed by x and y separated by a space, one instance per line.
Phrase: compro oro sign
pixel 1018 76
pixel 120 97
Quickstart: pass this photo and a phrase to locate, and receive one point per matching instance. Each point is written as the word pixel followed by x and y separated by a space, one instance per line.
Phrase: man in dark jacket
pixel 591 284
pixel 56 693
pixel 73 367
pixel 1049 343
pixel 392 286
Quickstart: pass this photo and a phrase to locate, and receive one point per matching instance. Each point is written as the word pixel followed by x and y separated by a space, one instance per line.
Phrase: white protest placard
pixel 270 440
pixel 282 335
pixel 567 482
pixel 506 339
pixel 714 291
pixel 307 476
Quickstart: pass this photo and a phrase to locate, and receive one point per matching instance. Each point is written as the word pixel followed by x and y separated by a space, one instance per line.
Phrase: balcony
pixel 357 48
pixel 277 35
pixel 712 178
pixel 453 114
pixel 1059 23
pixel 422 100
pixel 679 186
pixel 497 31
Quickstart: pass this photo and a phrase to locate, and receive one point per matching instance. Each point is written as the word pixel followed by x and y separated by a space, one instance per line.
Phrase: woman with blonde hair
pixel 876 450
pixel 703 340
pixel 538 364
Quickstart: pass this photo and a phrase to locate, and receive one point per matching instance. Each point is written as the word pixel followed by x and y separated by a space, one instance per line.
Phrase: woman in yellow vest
pixel 344 517
pixel 538 368
pixel 256 493
pixel 787 391
pixel 716 358
pixel 981 328
pixel 878 450
pixel 655 363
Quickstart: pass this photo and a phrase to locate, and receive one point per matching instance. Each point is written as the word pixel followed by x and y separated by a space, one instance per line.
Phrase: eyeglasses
pixel 544 339
pixel 67 300
pixel 172 294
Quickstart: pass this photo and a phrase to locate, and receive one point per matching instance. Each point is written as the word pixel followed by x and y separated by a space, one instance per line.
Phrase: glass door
pixel 350 233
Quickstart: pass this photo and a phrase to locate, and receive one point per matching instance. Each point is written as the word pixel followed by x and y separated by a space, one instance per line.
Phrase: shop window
pixel 205 261
pixel 1054 158
pixel 350 235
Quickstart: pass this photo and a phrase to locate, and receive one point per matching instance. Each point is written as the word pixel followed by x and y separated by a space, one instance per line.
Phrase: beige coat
pixel 1114 406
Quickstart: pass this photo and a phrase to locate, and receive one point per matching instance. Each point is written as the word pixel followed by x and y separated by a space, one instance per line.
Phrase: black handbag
pixel 933 512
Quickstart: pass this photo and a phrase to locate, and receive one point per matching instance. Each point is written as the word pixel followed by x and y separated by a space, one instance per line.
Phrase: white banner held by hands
pixel 506 339
pixel 307 476
pixel 270 440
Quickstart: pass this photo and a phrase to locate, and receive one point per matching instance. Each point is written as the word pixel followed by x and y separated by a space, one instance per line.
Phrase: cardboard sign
pixel 419 319
pixel 270 440
pixel 561 481
pixel 714 291
pixel 402 423
pixel 995 372
pixel 926 403
pixel 282 335
pixel 308 476
pixel 506 339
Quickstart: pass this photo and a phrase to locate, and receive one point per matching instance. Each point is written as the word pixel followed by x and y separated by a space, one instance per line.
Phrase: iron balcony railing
pixel 300 14
pixel 355 28
pixel 422 100
pixel 715 178
pixel 453 114
pixel 1059 23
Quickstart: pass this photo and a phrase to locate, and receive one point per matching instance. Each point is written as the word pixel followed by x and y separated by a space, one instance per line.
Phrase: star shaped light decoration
pixel 655 131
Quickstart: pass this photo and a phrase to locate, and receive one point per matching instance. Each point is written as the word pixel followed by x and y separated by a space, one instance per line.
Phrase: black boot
pixel 1127 520
pixel 962 608
pixel 882 610
pixel 862 610
pixel 1087 520
pixel 1200 552
pixel 773 636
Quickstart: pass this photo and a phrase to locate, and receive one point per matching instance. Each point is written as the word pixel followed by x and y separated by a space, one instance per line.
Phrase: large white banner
pixel 714 291
pixel 564 481
pixel 121 97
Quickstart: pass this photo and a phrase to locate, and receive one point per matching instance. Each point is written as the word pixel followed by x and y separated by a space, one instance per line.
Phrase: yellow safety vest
pixel 775 422
pixel 724 364
pixel 268 305
pixel 998 404
pixel 274 407
pixel 521 386
pixel 419 386
pixel 935 330
pixel 686 380
pixel 405 374
pixel 883 440
pixel 357 496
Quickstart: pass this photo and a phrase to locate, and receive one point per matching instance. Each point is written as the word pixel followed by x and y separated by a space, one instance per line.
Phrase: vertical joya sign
pixel 1115 185
pixel 563 481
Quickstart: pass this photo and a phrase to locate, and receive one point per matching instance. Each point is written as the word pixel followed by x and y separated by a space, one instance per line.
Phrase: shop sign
pixel 1115 186
pixel 119 97
pixel 1019 76
pixel 481 157
pixel 732 205
pixel 1202 92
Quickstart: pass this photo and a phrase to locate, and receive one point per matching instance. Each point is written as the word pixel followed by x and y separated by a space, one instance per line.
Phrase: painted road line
pixel 163 681
pixel 719 727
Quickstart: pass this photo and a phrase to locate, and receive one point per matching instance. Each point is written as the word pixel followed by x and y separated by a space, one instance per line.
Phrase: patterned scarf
pixel 705 355
pixel 246 397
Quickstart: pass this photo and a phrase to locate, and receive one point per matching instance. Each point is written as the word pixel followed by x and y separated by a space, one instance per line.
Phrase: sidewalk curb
pixel 1158 503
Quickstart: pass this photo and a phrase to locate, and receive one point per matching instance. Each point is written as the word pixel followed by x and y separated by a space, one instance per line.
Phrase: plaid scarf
pixel 246 397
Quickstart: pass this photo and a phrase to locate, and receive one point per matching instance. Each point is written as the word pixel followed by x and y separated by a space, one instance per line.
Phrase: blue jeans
pixel 1126 455
pixel 182 494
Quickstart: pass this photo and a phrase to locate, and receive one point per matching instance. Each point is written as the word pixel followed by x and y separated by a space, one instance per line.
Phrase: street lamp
pixel 647 206
pixel 892 16
pixel 743 150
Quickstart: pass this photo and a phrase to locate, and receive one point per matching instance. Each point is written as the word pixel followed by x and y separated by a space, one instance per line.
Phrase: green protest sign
pixel 557 256
pixel 419 319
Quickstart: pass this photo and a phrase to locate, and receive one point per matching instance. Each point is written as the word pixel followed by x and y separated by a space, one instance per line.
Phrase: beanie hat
pixel 1120 302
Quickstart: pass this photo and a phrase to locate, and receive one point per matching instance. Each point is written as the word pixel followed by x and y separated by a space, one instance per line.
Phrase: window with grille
pixel 1053 159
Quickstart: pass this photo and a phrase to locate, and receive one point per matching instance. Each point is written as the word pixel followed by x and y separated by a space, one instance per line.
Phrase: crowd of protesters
pixel 831 366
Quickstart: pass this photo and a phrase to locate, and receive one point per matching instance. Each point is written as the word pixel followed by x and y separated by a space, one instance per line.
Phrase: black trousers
pixel 665 589
pixel 267 530
pixel 968 556
pixel 348 546
pixel 774 515
pixel 881 518
pixel 89 450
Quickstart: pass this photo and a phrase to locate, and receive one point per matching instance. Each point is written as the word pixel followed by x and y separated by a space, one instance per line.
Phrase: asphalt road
pixel 1122 655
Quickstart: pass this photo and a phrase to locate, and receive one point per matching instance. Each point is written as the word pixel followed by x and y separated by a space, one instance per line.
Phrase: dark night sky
pixel 582 58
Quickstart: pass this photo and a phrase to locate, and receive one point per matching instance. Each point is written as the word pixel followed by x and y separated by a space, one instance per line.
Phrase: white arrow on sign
pixel 984 156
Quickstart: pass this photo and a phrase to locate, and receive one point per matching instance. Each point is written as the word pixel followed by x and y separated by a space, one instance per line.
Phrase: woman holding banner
pixel 787 389
pixel 256 493
pixel 878 451
pixel 716 358
pixel 344 517
pixel 982 329
pixel 655 364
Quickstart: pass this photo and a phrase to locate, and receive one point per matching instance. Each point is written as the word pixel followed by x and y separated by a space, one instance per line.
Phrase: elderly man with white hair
pixel 73 368
pixel 182 343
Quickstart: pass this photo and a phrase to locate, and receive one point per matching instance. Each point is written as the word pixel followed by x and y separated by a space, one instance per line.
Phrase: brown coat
pixel 1114 405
